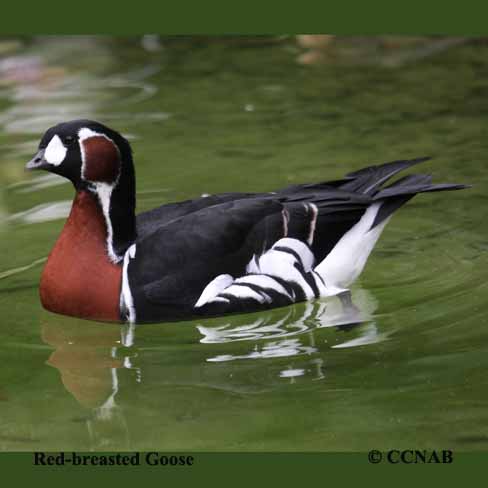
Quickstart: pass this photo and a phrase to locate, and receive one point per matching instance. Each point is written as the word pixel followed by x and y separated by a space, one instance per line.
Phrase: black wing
pixel 363 182
pixel 148 222
pixel 174 263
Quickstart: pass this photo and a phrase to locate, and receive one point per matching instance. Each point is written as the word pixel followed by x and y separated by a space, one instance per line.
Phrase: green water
pixel 407 369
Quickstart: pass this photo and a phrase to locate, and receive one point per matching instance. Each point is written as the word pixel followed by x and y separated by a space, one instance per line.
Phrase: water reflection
pixel 101 366
pixel 89 358
pixel 49 83
pixel 295 321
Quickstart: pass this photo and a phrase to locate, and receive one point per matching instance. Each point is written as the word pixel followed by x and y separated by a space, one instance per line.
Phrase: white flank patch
pixel 220 299
pixel 126 300
pixel 306 256
pixel 216 286
pixel 265 273
pixel 55 151
pixel 253 265
pixel 264 281
pixel 281 264
pixel 244 292
pixel 348 258
pixel 256 281
pixel 313 222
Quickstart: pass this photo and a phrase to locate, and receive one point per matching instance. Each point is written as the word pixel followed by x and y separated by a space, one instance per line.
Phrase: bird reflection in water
pixel 90 359
pixel 293 322
pixel 97 362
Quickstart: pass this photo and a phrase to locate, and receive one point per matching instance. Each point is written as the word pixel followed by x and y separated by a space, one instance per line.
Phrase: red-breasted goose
pixel 226 253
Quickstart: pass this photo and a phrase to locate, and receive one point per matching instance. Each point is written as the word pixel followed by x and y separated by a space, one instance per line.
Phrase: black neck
pixel 122 215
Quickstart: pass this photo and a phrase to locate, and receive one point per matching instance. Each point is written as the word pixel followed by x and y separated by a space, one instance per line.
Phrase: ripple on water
pixel 291 325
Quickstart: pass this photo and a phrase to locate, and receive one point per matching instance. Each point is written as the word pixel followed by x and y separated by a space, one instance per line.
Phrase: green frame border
pixel 250 17
pixel 251 469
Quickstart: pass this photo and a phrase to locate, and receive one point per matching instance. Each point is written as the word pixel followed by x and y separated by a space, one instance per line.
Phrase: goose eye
pixel 68 140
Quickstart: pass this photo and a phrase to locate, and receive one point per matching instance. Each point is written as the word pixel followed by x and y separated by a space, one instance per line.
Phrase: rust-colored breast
pixel 79 279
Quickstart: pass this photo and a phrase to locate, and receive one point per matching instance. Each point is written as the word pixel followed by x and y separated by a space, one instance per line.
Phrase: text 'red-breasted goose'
pixel 214 255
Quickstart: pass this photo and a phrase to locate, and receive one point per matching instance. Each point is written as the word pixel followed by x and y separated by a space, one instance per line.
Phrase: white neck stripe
pixel 103 190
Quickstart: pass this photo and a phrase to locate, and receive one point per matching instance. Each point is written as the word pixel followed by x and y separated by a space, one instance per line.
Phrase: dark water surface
pixel 406 368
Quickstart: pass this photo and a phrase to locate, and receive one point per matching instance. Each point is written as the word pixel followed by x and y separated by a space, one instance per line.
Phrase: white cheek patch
pixel 55 152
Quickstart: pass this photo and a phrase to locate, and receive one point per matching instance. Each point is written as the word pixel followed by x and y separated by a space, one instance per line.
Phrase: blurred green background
pixel 207 115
